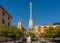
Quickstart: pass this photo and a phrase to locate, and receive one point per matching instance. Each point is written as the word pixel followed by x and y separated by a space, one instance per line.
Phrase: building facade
pixel 41 29
pixel 19 25
pixel 5 17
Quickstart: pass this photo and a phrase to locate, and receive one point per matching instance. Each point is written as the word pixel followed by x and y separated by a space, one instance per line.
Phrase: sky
pixel 45 12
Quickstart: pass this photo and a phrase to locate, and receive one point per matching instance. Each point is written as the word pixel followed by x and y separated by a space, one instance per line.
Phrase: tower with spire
pixel 30 20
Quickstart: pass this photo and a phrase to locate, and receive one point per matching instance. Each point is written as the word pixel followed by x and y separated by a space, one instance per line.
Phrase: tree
pixel 50 32
pixel 15 32
pixel 11 32
pixel 58 23
pixel 4 31
pixel 57 33
pixel 32 35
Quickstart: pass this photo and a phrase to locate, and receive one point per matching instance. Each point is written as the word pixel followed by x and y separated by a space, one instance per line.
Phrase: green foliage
pixel 58 23
pixel 32 35
pixel 4 31
pixel 11 32
pixel 51 33
pixel 57 34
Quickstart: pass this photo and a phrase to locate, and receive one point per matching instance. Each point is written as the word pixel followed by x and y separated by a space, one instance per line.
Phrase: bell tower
pixel 20 24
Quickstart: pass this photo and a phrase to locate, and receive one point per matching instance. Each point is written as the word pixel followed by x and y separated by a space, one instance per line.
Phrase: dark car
pixel 33 39
pixel 24 39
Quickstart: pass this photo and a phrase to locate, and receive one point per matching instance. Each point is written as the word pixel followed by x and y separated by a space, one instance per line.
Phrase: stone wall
pixel 4 15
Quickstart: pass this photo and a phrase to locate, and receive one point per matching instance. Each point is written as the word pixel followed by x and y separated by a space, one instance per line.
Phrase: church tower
pixel 20 24
pixel 30 20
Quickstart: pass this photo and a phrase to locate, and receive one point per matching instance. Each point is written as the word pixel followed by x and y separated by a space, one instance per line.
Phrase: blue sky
pixel 45 12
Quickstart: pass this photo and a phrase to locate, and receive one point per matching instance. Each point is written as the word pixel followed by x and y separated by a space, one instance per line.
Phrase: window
pixel 8 17
pixel 39 27
pixel 3 21
pixel 8 24
pixel 45 27
pixel 3 13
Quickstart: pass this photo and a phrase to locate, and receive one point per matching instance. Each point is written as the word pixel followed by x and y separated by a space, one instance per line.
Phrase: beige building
pixel 19 25
pixel 5 17
pixel 42 29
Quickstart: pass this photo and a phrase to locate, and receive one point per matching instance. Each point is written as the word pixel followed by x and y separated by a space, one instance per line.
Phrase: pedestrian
pixel 29 39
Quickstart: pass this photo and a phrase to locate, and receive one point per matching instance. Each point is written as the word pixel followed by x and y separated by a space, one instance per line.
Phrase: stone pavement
pixel 25 42
pixel 37 42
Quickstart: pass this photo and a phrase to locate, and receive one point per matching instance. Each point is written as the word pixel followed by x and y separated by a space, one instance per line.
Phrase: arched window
pixel 39 29
pixel 8 18
pixel 3 13
pixel 8 24
pixel 3 21
pixel 45 27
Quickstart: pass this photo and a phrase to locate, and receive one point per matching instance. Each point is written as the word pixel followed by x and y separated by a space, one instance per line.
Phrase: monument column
pixel 30 20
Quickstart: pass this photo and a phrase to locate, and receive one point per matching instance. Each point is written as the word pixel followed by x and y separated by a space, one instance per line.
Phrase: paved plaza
pixel 41 40
pixel 31 42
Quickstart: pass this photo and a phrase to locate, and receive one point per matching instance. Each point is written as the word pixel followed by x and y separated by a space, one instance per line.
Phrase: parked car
pixel 33 39
pixel 24 39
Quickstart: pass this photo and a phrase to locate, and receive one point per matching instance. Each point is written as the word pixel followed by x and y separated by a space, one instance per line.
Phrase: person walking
pixel 29 39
